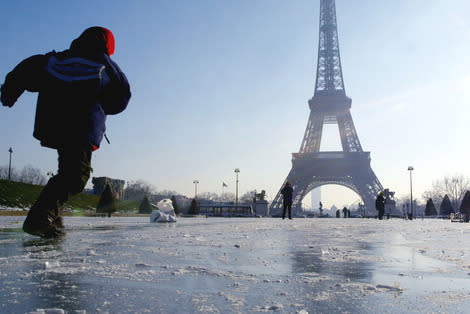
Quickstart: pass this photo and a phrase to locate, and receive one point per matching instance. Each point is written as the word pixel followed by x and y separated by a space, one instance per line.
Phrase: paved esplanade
pixel 224 265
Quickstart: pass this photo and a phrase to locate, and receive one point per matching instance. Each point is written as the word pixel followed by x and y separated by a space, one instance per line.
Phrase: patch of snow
pixel 165 212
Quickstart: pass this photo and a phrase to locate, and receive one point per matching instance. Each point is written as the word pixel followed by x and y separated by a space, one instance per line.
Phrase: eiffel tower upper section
pixel 329 80
pixel 329 105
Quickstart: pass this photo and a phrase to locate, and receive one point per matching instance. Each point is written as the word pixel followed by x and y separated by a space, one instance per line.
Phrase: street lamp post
pixel 9 167
pixel 237 171
pixel 195 188
pixel 410 169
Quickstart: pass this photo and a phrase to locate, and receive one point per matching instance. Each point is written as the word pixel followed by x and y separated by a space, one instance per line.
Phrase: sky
pixel 224 84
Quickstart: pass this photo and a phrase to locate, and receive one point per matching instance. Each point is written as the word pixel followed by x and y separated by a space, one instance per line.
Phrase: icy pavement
pixel 223 265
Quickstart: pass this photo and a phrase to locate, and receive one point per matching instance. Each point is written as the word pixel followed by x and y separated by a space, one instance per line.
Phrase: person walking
pixel 286 192
pixel 78 88
pixel 380 205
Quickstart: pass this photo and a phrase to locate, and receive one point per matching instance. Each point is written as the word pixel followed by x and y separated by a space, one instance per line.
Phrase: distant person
pixel 345 212
pixel 77 88
pixel 380 205
pixel 287 199
pixel 338 214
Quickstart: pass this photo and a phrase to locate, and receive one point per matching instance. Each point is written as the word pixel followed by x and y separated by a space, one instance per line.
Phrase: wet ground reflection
pixel 313 261
pixel 230 265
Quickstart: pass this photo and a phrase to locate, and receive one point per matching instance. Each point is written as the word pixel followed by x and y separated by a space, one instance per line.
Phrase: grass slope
pixel 23 195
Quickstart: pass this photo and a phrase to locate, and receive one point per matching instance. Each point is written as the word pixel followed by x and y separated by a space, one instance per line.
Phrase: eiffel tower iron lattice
pixel 330 105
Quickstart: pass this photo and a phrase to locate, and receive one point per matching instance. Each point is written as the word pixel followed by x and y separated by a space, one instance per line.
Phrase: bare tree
pixel 454 186
pixel 137 190
pixel 4 173
pixel 248 197
pixel 32 175
pixel 167 193
pixel 226 197
pixel 28 174
pixel 435 194
pixel 208 196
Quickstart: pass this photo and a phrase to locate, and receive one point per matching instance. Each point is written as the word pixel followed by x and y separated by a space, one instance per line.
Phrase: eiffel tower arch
pixel 330 105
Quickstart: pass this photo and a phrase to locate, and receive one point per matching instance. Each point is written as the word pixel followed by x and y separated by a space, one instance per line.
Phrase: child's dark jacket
pixel 69 113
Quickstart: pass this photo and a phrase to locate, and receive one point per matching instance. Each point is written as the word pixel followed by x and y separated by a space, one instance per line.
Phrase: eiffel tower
pixel 330 105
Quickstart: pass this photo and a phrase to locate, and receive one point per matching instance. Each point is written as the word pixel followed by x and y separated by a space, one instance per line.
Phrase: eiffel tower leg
pixel 300 185
pixel 351 170
pixel 313 133
pixel 369 187
pixel 347 132
pixel 297 196
pixel 276 204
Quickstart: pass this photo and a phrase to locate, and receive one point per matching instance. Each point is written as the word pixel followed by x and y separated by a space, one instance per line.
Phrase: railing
pixel 223 209
pixel 331 155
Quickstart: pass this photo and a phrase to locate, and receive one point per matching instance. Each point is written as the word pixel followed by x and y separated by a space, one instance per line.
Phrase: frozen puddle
pixel 236 265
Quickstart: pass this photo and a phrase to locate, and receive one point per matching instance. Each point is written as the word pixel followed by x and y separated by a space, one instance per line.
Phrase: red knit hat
pixel 109 38
pixel 98 37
